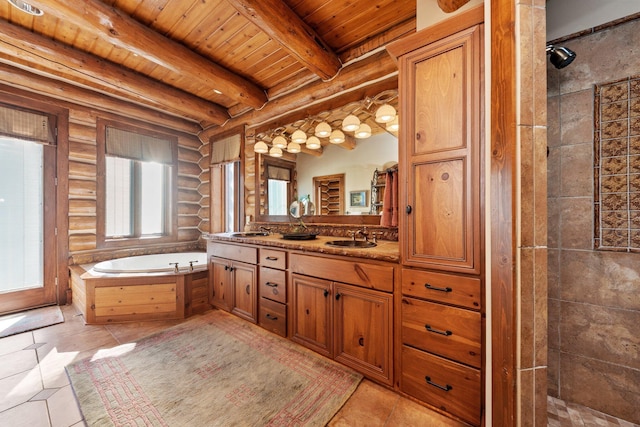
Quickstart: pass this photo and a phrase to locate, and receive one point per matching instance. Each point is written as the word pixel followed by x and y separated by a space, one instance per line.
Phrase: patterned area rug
pixel 17 323
pixel 213 370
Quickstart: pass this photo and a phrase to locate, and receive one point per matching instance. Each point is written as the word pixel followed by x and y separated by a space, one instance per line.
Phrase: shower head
pixel 560 56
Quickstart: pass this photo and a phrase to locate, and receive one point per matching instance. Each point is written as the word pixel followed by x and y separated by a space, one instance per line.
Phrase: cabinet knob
pixel 248 289
pixel 326 292
pixel 338 296
pixel 408 209
pixel 361 341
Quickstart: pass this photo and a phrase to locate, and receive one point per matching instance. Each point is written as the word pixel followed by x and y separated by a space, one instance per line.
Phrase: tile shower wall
pixel 593 295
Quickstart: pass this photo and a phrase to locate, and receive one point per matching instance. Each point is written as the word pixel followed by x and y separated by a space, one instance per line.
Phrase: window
pixel 139 176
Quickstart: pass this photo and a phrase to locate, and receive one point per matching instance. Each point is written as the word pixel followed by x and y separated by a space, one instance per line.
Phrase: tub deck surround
pixel 127 297
pixel 384 251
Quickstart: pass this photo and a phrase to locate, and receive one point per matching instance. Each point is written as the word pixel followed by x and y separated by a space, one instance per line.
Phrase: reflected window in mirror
pixel 280 188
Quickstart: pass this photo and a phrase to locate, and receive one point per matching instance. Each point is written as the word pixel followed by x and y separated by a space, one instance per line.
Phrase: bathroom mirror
pixel 357 165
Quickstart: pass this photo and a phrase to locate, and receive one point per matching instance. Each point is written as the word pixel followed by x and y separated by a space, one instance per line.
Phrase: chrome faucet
pixel 363 232
pixel 266 229
pixel 191 265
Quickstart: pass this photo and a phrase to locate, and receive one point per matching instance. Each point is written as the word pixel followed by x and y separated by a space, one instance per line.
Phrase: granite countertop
pixel 384 251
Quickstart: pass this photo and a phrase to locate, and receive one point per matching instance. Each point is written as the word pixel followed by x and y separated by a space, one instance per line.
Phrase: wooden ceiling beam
pixel 378 69
pixel 23 48
pixel 282 24
pixel 119 29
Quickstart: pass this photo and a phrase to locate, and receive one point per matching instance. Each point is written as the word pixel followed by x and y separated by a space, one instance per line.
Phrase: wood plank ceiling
pixel 215 63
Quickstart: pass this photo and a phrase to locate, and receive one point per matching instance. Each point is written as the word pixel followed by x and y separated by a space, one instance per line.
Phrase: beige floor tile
pixel 30 414
pixel 409 413
pixel 16 362
pixel 15 343
pixel 19 388
pixel 63 409
pixel 370 406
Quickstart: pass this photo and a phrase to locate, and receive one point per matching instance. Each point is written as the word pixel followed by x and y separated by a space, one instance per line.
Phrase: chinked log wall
pixel 193 190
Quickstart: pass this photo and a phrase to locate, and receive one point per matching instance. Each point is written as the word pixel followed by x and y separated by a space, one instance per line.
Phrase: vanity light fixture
pixel 260 147
pixel 385 113
pixel 323 130
pixel 299 137
pixel 279 142
pixel 336 137
pixel 364 131
pixel 350 123
pixel 313 143
pixel 275 152
pixel 393 125
pixel 26 7
pixel 293 147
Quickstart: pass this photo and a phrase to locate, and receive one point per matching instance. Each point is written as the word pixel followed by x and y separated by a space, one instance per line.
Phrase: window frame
pixel 170 206
pixel 218 185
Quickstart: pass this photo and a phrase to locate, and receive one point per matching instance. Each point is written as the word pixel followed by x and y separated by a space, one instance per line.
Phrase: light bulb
pixel 364 131
pixel 385 114
pixel 279 142
pixel 393 125
pixel 350 123
pixel 260 147
pixel 323 130
pixel 293 147
pixel 275 152
pixel 299 137
pixel 313 143
pixel 336 137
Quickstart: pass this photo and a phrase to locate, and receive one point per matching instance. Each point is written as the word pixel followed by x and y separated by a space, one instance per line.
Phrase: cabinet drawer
pixel 273 284
pixel 447 288
pixel 374 276
pixel 451 332
pixel 273 258
pixel 447 385
pixel 235 252
pixel 273 316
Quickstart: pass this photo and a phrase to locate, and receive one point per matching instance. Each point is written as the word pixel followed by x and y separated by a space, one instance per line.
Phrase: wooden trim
pixel 438 31
pixel 503 216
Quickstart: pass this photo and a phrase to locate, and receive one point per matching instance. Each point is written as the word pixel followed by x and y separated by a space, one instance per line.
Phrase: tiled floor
pixel 35 391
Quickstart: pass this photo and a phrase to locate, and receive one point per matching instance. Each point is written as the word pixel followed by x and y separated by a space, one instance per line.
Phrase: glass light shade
pixel 260 147
pixel 313 143
pixel 336 137
pixel 350 123
pixel 293 147
pixel 364 131
pixel 279 142
pixel 393 125
pixel 275 152
pixel 299 137
pixel 385 114
pixel 323 130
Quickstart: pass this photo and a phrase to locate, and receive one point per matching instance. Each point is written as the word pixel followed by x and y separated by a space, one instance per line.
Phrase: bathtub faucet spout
pixel 175 266
pixel 191 265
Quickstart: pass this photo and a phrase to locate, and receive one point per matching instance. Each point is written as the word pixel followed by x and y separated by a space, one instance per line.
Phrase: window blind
pixel 137 146
pixel 26 125
pixel 226 150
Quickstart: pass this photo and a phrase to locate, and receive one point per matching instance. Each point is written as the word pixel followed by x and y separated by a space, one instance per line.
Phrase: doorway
pixel 27 210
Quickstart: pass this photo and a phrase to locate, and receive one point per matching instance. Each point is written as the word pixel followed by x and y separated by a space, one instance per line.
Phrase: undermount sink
pixel 351 244
pixel 249 234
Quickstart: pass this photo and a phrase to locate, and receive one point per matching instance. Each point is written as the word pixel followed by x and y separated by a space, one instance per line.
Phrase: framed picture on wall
pixel 358 199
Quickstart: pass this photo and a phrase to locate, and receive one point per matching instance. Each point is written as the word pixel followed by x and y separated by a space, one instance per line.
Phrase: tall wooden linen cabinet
pixel 439 348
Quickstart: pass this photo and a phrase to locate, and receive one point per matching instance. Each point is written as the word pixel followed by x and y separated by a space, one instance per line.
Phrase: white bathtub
pixel 158 263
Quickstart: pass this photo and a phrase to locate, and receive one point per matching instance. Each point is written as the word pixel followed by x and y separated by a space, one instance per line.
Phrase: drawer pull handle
pixel 272 258
pixel 270 317
pixel 271 284
pixel 441 387
pixel 435 288
pixel 248 289
pixel 436 331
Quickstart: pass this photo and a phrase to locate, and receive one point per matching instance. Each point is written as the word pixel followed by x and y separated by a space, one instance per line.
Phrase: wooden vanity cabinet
pixel 232 277
pixel 349 322
pixel 440 325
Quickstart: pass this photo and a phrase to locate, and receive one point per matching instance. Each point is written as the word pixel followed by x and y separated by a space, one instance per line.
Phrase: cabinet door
pixel 311 314
pixel 245 303
pixel 363 330
pixel 221 288
pixel 442 148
